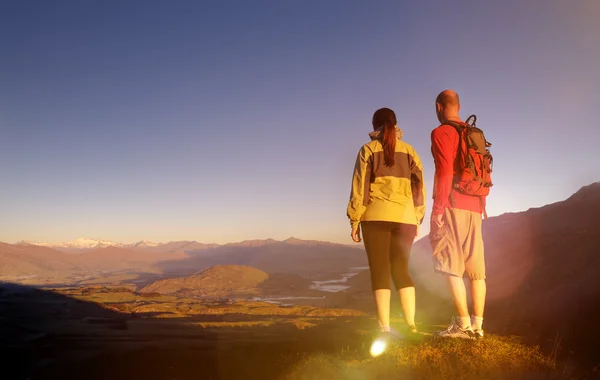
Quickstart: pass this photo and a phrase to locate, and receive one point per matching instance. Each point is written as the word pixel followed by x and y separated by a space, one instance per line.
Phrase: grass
pixel 231 324
pixel 492 358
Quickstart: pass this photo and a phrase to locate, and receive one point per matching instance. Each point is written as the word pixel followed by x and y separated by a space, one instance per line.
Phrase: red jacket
pixel 444 147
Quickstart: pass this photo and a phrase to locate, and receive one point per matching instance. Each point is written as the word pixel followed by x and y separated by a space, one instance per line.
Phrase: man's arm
pixel 444 143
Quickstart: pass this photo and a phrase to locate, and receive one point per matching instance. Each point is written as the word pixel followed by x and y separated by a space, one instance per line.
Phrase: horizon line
pixel 291 238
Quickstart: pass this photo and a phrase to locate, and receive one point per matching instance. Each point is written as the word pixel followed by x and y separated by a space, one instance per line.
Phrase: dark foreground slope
pixel 47 335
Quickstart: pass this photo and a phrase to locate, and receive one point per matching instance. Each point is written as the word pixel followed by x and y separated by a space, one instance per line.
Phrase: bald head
pixel 448 98
pixel 447 106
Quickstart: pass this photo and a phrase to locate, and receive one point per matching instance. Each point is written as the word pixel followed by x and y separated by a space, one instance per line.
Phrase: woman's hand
pixel 355 234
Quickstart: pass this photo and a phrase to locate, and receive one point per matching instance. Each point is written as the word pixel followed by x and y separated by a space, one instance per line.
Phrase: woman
pixel 388 203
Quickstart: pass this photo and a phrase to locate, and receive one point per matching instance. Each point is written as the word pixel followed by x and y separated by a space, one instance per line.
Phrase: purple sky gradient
pixel 223 121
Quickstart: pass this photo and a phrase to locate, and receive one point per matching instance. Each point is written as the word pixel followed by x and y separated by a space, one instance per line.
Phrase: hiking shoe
pixel 478 333
pixel 410 332
pixel 455 331
pixel 388 335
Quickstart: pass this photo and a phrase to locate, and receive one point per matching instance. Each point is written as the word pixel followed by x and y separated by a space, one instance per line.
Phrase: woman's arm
pixel 359 194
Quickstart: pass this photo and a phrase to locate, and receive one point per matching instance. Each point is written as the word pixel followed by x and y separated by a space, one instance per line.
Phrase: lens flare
pixel 378 347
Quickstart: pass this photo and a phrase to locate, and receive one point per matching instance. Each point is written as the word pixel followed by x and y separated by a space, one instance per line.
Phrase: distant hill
pixel 292 256
pixel 175 246
pixel 285 285
pixel 124 259
pixel 218 280
pixel 36 265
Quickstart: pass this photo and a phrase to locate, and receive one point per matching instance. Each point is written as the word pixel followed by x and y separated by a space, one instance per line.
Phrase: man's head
pixel 447 105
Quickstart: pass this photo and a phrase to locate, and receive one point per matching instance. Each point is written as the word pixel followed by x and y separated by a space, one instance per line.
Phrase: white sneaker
pixel 478 333
pixel 455 331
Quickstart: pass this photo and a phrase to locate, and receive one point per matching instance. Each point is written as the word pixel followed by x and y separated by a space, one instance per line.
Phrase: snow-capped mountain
pixel 38 243
pixel 81 243
pixel 144 244
pixel 85 243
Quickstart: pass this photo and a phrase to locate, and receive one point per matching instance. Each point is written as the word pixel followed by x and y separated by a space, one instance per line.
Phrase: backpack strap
pixel 458 126
pixel 471 120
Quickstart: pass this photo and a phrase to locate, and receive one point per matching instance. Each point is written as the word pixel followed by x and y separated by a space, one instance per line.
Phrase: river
pixel 338 284
pixel 331 286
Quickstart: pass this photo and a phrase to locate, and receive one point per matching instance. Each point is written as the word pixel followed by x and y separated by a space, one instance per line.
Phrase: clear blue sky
pixel 220 121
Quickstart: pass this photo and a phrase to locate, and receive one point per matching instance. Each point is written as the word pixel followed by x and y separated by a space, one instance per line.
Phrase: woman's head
pixel 386 118
pixel 383 117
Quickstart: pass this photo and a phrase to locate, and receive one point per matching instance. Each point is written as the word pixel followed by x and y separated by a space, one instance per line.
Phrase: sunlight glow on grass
pixel 378 347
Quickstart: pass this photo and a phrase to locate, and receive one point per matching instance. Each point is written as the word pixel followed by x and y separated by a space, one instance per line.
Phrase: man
pixel 456 221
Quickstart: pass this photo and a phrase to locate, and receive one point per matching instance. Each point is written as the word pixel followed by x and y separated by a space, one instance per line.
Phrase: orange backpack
pixel 473 162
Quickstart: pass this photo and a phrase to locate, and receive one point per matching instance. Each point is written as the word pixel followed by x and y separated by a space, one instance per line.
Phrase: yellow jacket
pixel 382 193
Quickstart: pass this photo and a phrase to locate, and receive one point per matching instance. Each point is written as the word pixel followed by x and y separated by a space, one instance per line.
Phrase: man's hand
pixel 438 219
pixel 355 234
pixel 416 233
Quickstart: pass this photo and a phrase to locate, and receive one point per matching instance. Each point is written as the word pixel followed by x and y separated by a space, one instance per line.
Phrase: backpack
pixel 474 161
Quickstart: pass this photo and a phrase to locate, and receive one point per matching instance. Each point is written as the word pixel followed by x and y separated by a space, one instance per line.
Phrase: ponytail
pixel 387 118
pixel 389 143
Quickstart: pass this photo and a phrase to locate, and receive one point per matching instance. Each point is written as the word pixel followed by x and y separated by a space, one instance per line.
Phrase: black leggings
pixel 388 248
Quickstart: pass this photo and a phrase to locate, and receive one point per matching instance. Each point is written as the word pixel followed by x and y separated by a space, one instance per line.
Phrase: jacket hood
pixel 378 133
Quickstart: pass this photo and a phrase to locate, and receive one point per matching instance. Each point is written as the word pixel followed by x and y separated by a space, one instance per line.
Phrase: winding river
pixel 331 286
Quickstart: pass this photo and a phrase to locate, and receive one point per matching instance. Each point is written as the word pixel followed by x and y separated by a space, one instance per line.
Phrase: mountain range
pixel 83 244
pixel 308 258
pixel 71 263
